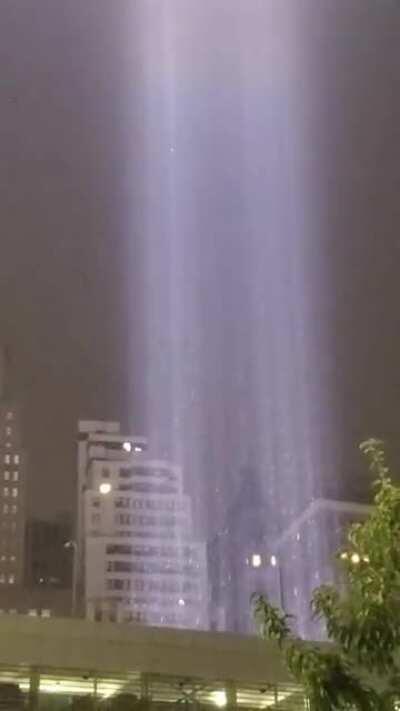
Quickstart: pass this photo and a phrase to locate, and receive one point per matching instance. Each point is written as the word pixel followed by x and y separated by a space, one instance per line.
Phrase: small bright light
pixel 355 558
pixel 219 698
pixel 105 487
pixel 181 602
pixel 256 560
pixel 138 448
pixel 127 447
pixel 344 555
pixel 274 561
pixel 366 559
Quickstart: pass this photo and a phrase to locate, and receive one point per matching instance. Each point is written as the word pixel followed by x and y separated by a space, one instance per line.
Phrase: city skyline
pixel 200 240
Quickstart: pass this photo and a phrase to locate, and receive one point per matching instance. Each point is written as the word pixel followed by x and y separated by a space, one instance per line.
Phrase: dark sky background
pixel 66 291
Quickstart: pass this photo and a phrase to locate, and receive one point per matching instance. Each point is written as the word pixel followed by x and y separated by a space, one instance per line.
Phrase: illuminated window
pixel 7 459
pixel 10 415
pixel 6 491
pixel 12 558
pixel 14 492
pixel 5 508
pixel 46 613
pixel 256 560
pixel 11 579
pixel 6 475
pixel 3 558
pixel 16 458
pixel 32 613
pixel 8 445
pixel 15 476
pixel 8 431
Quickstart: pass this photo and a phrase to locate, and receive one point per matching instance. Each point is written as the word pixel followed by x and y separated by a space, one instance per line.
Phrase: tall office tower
pixel 139 561
pixel 12 483
pixel 314 537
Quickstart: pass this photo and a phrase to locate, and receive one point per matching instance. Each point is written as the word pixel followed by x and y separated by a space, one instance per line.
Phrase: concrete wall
pixel 106 647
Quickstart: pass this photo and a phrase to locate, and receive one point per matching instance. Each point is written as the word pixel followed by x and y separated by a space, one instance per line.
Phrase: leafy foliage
pixel 362 619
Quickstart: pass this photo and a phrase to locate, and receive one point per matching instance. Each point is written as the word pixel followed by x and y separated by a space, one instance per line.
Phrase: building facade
pixel 138 560
pixel 12 484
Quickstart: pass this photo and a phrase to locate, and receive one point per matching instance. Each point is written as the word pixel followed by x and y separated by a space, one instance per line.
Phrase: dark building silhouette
pixel 48 562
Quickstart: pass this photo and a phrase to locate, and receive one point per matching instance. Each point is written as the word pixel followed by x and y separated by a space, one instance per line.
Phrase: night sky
pixel 73 162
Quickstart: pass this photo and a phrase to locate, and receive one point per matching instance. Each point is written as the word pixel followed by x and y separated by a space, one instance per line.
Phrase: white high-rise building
pixel 138 561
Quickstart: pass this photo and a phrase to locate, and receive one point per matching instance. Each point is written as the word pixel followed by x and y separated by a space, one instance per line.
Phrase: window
pixel 2 578
pixel 3 558
pixel 16 458
pixel 15 475
pixel 5 508
pixel 14 509
pixel 6 491
pixel 32 613
pixel 11 579
pixel 6 475
pixel 46 613
pixel 7 459
pixel 12 558
pixel 10 415
pixel 8 431
pixel 14 492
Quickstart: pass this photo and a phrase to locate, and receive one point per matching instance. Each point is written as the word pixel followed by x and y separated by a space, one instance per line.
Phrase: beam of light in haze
pixel 228 221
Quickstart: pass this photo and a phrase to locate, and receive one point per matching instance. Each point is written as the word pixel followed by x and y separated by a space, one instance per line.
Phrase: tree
pixel 361 668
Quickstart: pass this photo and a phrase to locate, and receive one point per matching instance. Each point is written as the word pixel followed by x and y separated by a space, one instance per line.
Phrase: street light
pixel 74 546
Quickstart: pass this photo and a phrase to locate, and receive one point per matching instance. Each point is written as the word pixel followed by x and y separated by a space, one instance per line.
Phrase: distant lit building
pixel 311 540
pixel 12 485
pixel 138 559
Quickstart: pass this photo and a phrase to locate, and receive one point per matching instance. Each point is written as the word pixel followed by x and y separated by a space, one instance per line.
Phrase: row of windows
pixel 11 476
pixel 133 520
pixel 30 613
pixel 4 559
pixel 10 579
pixel 128 473
pixel 125 502
pixel 144 487
pixel 8 458
pixel 10 509
pixel 7 491
pixel 153 567
pixel 188 552
pixel 159 586
pixel 148 534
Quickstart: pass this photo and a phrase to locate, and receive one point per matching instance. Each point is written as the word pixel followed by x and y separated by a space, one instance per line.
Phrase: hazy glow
pixel 105 487
pixel 219 698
